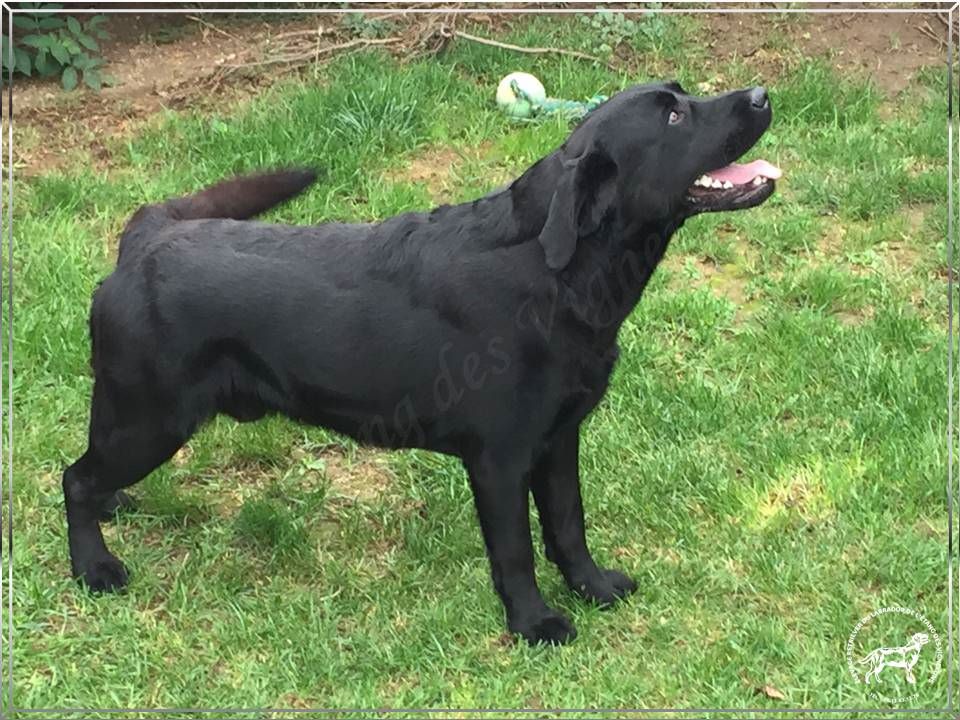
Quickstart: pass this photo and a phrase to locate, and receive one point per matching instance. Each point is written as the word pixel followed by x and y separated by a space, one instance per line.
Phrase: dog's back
pixel 343 325
pixel 239 198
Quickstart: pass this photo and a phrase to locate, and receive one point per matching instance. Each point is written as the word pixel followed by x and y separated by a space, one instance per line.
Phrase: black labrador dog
pixel 486 330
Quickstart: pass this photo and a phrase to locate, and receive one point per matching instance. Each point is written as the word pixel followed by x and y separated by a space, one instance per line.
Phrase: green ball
pixel 519 95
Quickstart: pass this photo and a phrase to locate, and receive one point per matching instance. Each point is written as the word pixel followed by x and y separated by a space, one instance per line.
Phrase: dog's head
pixel 654 154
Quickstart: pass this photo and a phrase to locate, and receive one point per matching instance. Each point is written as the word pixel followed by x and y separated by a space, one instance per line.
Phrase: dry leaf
pixel 771 692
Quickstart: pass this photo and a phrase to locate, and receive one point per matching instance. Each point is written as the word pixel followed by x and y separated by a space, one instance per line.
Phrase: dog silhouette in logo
pixel 896 657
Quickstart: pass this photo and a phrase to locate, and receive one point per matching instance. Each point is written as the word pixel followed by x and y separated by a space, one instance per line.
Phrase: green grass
pixel 769 462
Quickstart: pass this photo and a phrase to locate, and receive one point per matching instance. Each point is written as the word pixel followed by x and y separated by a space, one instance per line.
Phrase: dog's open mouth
pixel 733 187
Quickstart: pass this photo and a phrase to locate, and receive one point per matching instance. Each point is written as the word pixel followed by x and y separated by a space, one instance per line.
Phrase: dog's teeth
pixel 727 185
pixel 705 180
pixel 757 180
pixel 717 184
pixel 697 182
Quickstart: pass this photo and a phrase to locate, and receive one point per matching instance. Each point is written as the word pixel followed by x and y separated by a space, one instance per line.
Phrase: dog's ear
pixel 583 195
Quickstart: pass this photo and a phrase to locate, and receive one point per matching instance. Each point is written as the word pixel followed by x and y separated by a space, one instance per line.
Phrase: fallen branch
pixel 946 23
pixel 298 33
pixel 928 31
pixel 532 51
pixel 212 26
pixel 316 53
pixel 320 30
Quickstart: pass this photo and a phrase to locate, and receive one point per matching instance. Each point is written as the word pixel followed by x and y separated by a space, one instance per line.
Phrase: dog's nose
pixel 758 98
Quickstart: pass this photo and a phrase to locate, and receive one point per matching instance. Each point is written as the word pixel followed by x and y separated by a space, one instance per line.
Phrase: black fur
pixel 485 330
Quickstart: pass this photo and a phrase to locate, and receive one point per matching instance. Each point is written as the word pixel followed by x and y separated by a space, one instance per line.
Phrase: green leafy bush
pixel 362 26
pixel 50 45
pixel 610 29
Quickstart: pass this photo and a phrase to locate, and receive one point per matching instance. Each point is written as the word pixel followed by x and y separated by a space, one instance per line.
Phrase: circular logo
pixel 892 651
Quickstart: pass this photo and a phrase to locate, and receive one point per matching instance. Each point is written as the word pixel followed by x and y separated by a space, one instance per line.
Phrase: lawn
pixel 769 463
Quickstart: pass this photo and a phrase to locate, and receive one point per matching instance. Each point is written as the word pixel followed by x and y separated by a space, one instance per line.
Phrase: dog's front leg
pixel 501 494
pixel 555 481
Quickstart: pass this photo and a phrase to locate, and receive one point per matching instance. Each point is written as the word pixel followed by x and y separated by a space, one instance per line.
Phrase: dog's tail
pixel 238 199
pixel 871 658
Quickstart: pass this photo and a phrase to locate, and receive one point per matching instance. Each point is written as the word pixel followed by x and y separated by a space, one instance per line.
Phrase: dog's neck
pixel 610 268
pixel 608 274
pixel 529 196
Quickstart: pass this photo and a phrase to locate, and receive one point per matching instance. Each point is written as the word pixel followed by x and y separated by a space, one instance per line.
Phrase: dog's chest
pixel 585 382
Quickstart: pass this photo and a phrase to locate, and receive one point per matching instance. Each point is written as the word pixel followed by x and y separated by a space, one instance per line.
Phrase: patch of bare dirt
pixel 902 255
pixel 899 247
pixel 183 61
pixel 225 488
pixel 722 280
pixel 915 216
pixel 159 62
pixel 726 280
pixel 55 128
pixel 831 240
pixel 829 249
pixel 440 170
pixel 362 476
pixel 432 168
pixel 891 48
pixel 152 56
pixel 801 494
pixel 437 169
pixel 853 318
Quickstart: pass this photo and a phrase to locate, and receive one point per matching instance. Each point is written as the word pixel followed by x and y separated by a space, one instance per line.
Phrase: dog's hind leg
pixel 116 503
pixel 128 439
pixel 555 481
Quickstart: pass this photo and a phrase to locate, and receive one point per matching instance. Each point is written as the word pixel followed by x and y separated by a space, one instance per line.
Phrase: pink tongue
pixel 741 174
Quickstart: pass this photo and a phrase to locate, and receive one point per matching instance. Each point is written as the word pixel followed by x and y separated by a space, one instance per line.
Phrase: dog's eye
pixel 675 117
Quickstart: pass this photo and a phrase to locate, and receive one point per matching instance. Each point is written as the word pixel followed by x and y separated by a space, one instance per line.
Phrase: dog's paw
pixel 605 587
pixel 116 503
pixel 105 574
pixel 550 628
